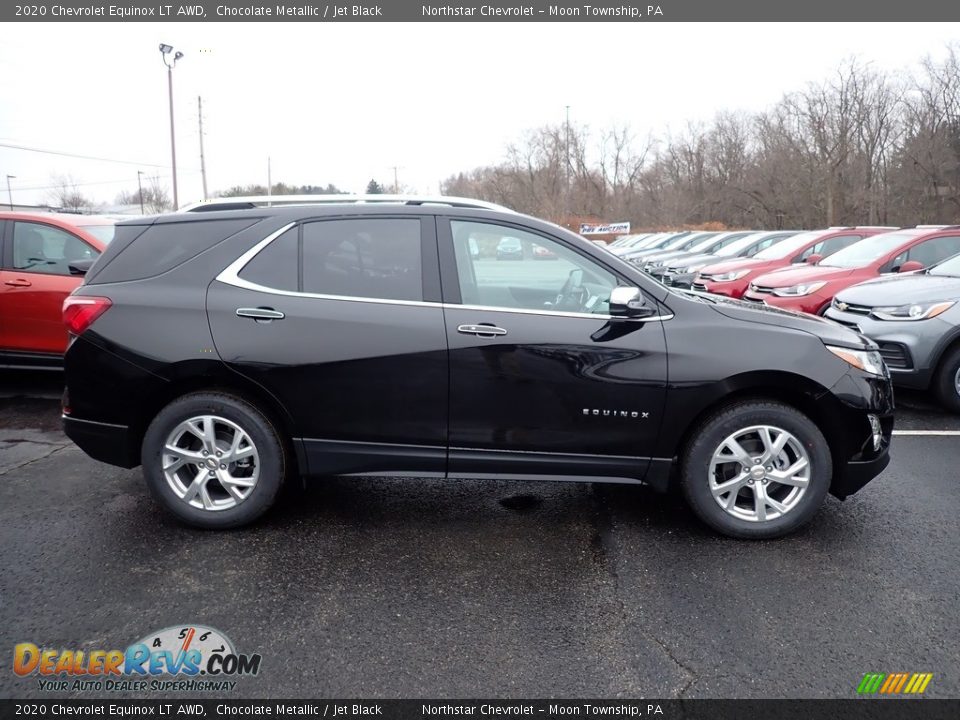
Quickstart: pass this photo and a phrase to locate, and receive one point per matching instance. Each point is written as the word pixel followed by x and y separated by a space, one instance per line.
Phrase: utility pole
pixel 269 180
pixel 203 164
pixel 396 183
pixel 10 192
pixel 140 187
pixel 170 60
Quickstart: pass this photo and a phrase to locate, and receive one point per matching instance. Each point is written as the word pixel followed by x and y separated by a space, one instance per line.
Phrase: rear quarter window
pixel 137 252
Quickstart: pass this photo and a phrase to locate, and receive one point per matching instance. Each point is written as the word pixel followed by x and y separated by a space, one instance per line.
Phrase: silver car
pixel 915 319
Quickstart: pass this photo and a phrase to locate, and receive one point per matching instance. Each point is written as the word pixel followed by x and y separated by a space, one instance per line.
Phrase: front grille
pixel 851 308
pixel 896 356
pixel 700 287
pixel 753 300
pixel 761 289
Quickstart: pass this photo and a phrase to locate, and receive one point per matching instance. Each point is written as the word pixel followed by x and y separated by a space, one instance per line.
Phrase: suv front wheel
pixel 756 470
pixel 213 460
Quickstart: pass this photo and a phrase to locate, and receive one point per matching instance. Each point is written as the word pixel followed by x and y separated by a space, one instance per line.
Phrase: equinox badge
pixel 632 414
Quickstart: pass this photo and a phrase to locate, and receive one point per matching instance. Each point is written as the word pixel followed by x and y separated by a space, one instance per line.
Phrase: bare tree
pixel 66 194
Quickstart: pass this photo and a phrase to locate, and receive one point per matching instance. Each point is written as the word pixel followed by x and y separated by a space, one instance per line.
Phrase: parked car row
pixel 897 286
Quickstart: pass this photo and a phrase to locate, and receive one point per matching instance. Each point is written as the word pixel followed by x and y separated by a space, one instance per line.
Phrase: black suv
pixel 230 351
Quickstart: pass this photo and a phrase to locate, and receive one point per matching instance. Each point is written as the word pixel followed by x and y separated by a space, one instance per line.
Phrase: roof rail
pixel 253 201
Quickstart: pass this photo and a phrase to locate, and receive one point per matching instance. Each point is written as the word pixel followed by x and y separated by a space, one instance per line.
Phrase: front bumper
pixel 810 304
pixel 909 348
pixel 856 458
pixel 731 289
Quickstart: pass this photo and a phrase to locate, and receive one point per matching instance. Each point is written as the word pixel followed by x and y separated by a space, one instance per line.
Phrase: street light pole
pixel 10 192
pixel 140 187
pixel 171 62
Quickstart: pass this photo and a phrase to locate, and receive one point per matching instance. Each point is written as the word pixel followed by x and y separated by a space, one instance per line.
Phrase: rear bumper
pixel 102 441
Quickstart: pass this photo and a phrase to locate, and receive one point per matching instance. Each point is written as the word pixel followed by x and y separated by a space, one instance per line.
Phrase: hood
pixel 902 290
pixel 734 264
pixel 803 274
pixel 828 331
pixel 667 258
pixel 657 255
pixel 689 259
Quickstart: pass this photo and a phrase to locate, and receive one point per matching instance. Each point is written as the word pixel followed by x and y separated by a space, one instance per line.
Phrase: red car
pixel 36 251
pixel 810 288
pixel 732 277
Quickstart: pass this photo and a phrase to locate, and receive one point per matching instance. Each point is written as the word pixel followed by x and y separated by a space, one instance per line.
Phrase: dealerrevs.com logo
pixel 179 658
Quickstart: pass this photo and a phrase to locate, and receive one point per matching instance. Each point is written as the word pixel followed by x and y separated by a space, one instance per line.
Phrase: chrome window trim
pixel 230 275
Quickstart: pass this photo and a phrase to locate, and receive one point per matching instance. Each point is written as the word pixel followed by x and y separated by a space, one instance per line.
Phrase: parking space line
pixel 941 433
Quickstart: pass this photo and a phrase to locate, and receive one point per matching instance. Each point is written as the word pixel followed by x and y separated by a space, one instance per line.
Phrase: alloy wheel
pixel 759 473
pixel 210 463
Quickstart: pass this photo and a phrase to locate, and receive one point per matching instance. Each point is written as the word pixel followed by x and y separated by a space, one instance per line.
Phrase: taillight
pixel 80 311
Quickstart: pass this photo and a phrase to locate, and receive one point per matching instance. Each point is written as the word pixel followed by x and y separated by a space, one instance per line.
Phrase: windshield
pixel 677 243
pixel 103 233
pixel 735 248
pixel 691 240
pixel 787 247
pixel 869 249
pixel 948 268
pixel 704 244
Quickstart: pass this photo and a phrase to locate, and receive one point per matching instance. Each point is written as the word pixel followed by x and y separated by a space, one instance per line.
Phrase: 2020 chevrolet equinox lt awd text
pixel 228 351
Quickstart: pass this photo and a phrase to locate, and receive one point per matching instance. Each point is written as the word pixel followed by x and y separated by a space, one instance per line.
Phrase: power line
pixel 14 146
pixel 95 182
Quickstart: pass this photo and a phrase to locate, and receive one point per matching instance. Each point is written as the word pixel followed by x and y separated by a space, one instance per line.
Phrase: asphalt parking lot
pixel 416 588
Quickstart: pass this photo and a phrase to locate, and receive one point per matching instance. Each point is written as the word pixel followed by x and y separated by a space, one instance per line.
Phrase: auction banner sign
pixel 620 228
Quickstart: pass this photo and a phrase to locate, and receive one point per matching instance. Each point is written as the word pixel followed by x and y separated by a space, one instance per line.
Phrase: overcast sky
pixel 343 103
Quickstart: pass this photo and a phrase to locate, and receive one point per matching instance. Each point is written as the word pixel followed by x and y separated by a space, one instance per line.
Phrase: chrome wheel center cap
pixel 211 463
pixel 757 472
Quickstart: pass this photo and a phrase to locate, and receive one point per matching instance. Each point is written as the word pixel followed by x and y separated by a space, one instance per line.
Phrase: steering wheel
pixel 573 295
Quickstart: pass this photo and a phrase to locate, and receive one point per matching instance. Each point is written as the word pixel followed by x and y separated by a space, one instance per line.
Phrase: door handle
pixel 19 282
pixel 481 330
pixel 260 313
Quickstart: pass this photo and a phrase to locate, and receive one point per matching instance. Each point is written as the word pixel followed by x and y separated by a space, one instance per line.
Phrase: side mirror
pixel 911 266
pixel 80 267
pixel 628 302
pixel 813 259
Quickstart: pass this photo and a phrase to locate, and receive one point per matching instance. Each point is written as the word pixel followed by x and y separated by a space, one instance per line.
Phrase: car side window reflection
pixel 503 267
pixel 46 249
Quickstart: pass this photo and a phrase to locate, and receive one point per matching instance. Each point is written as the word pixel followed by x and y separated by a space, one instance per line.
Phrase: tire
pixel 945 384
pixel 226 494
pixel 704 464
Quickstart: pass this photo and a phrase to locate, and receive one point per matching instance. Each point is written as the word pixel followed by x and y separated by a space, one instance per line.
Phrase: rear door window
pixel 376 258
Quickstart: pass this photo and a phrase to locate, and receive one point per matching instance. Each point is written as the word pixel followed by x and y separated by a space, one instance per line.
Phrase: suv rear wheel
pixel 213 460
pixel 756 469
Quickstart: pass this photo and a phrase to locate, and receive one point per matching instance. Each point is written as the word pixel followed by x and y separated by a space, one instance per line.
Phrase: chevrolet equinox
pixel 228 351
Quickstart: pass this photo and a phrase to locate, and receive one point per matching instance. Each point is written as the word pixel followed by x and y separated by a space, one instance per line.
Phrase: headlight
pixel 869 361
pixel 732 275
pixel 916 311
pixel 799 290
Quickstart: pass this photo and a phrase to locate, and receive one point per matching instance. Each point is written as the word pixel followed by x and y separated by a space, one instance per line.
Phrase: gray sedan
pixel 915 319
